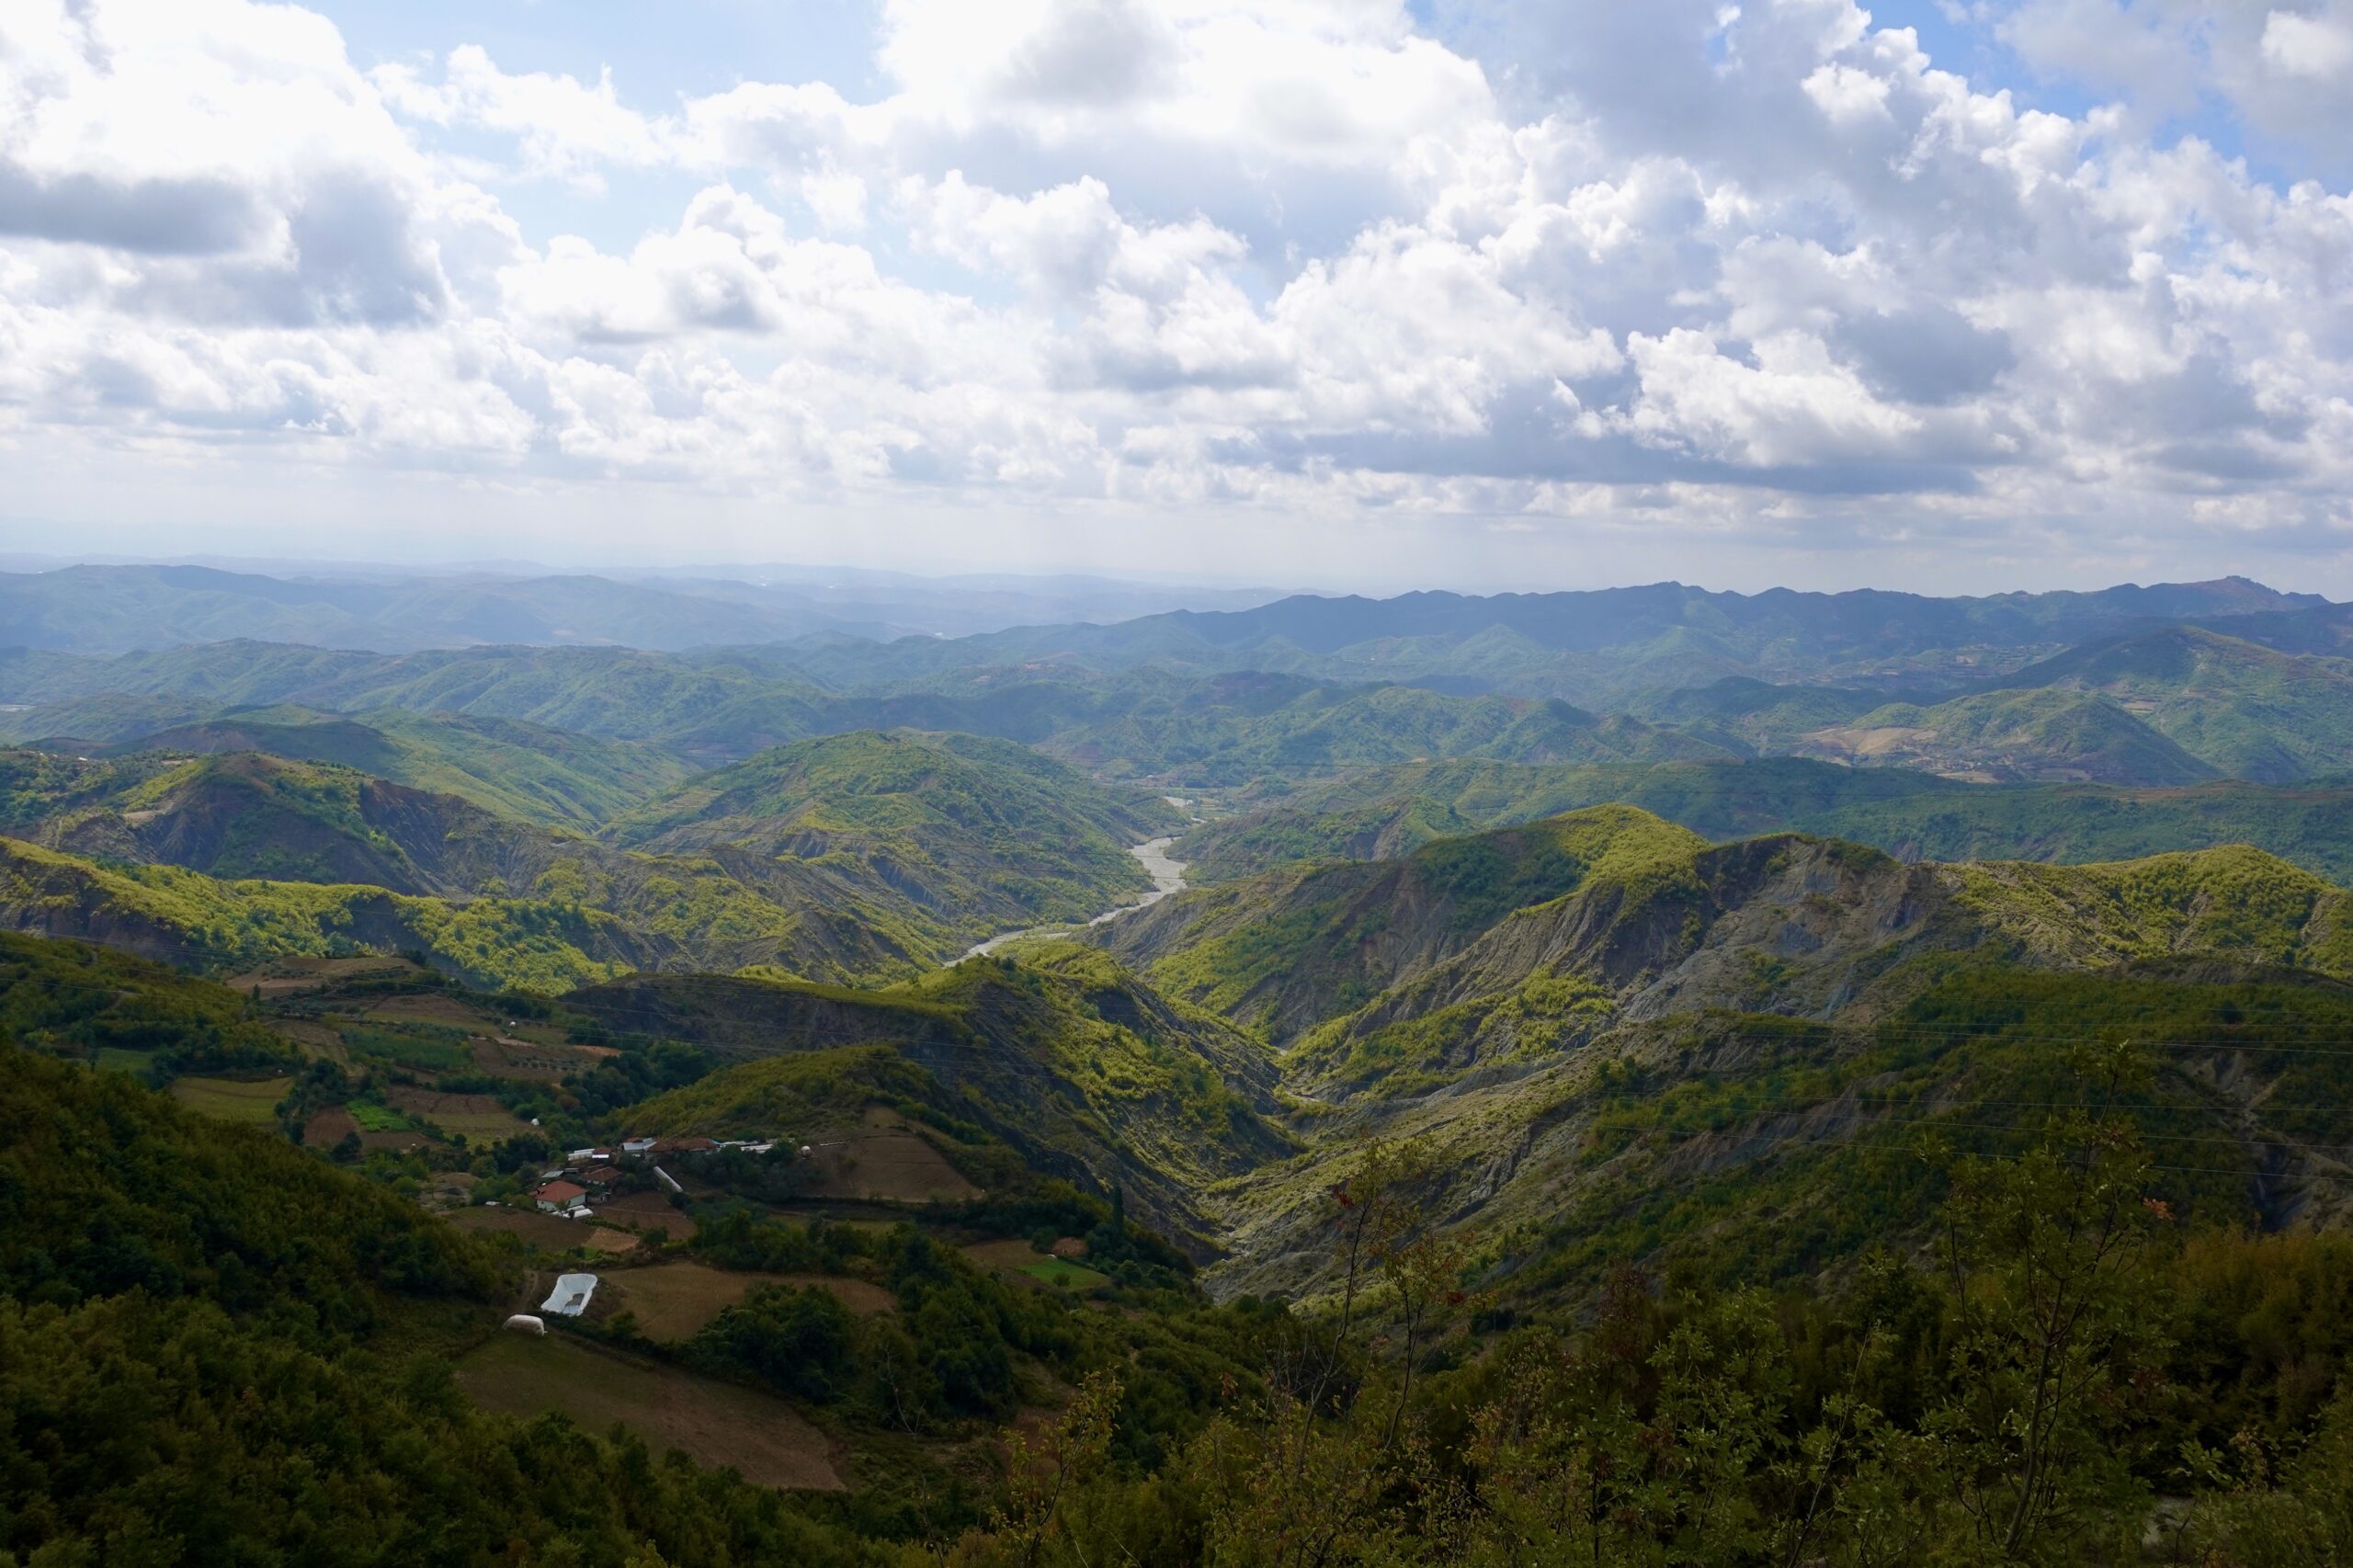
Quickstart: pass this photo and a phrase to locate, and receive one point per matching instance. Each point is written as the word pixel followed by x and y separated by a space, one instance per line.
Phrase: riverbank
pixel 1168 877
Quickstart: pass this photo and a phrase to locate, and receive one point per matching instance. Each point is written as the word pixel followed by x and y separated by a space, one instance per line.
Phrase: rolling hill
pixel 725 707
pixel 111 608
pixel 2247 711
pixel 1088 1074
pixel 1380 814
pixel 2041 734
pixel 508 765
pixel 972 829
pixel 1637 918
pixel 1289 948
pixel 856 857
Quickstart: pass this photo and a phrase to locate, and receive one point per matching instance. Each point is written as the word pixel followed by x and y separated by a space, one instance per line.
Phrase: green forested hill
pixel 2046 734
pixel 246 816
pixel 582 918
pixel 185 917
pixel 885 859
pixel 79 1001
pixel 2169 704
pixel 712 710
pixel 516 769
pixel 1382 812
pixel 213 1344
pixel 2250 712
pixel 1594 647
pixel 971 828
pixel 1288 948
pixel 1059 1054
pixel 1617 911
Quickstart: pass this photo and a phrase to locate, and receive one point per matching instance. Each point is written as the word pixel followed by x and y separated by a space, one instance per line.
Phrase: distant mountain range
pixel 1600 647
pixel 119 609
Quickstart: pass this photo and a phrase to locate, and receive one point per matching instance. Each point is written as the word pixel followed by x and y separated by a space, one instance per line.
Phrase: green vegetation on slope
pixel 514 768
pixel 1384 813
pixel 185 917
pixel 248 816
pixel 2249 711
pixel 1287 949
pixel 2032 734
pixel 1059 1054
pixel 90 1004
pixel 215 1347
pixel 971 828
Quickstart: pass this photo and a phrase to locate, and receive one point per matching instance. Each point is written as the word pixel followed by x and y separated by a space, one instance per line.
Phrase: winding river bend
pixel 1168 877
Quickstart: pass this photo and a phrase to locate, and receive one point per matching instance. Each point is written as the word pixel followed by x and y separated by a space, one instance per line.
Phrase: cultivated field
pixel 549 1233
pixel 717 1424
pixel 425 1007
pixel 292 976
pixel 232 1099
pixel 312 1039
pixel 646 1210
pixel 477 1118
pixel 1017 1260
pixel 885 1159
pixel 510 1057
pixel 1064 1274
pixel 672 1301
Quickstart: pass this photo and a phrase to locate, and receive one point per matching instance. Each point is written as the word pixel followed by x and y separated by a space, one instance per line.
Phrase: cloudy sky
pixel 1951 294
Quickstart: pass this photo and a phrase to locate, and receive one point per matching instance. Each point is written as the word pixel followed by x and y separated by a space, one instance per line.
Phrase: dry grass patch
pixel 426 1008
pixel 293 976
pixel 716 1424
pixel 646 1211
pixel 479 1118
pixel 507 1057
pixel 673 1302
pixel 886 1159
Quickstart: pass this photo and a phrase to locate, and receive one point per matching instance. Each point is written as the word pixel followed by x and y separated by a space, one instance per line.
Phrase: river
pixel 1168 877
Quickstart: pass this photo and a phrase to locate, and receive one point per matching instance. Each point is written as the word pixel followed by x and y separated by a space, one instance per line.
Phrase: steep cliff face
pixel 1287 949
pixel 1507 946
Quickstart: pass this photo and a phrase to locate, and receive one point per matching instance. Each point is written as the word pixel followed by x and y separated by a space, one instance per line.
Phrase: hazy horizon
pixel 1359 293
pixel 808 573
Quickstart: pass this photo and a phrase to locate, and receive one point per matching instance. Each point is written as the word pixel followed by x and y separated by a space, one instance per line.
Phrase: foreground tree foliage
pixel 215 1347
pixel 2070 1383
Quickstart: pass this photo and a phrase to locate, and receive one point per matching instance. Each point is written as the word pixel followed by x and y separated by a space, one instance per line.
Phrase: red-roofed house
pixel 558 1197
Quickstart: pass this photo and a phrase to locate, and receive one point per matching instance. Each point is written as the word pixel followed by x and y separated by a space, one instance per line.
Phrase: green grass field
pixel 232 1099
pixel 1067 1275
pixel 441 1050
pixel 117 1059
pixel 377 1118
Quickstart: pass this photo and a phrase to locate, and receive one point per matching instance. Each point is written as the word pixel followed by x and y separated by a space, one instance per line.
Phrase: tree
pixel 2056 1344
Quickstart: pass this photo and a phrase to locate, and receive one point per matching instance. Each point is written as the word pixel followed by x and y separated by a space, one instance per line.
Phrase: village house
pixel 637 1145
pixel 558 1197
